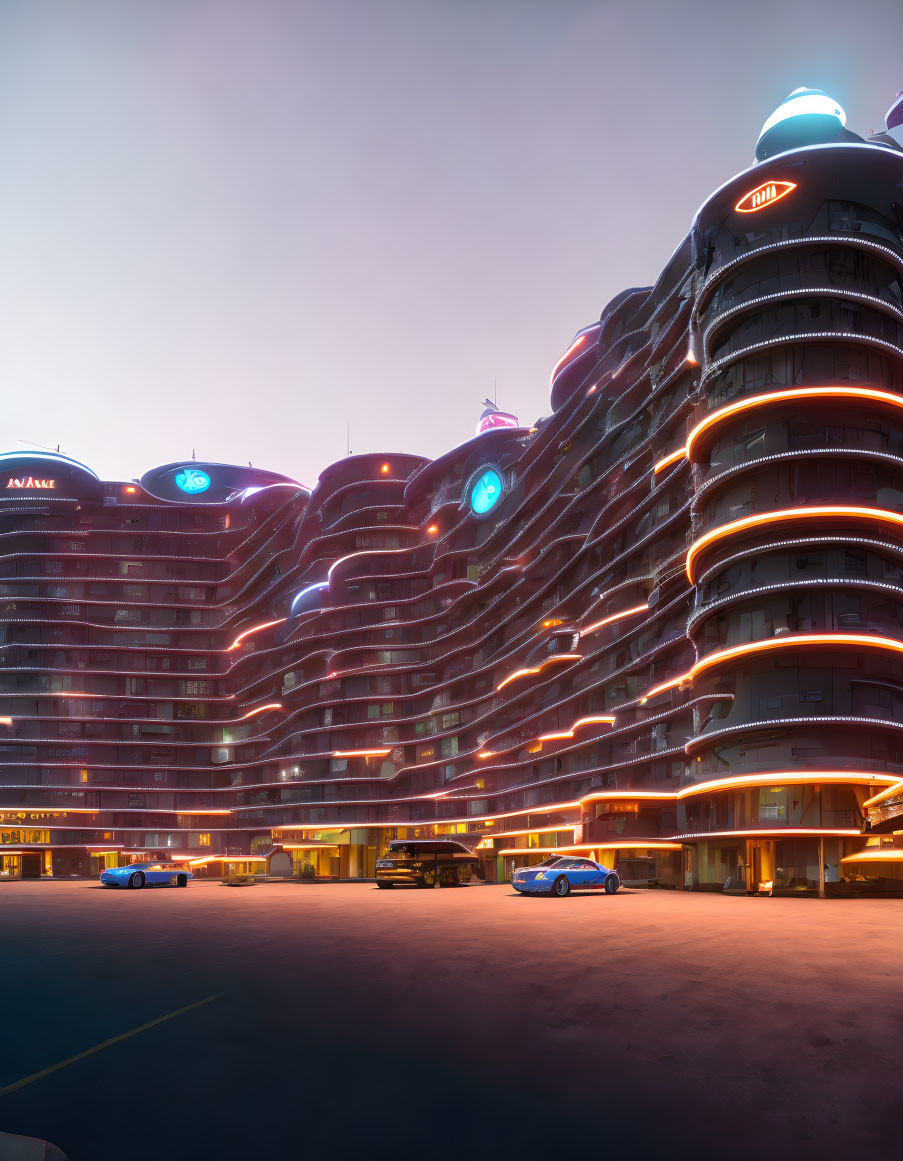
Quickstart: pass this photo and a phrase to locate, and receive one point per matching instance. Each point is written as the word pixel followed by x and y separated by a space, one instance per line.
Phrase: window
pixel 195 688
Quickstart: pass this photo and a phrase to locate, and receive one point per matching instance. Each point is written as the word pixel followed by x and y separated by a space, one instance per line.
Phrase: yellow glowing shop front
pixel 17 861
pixel 333 854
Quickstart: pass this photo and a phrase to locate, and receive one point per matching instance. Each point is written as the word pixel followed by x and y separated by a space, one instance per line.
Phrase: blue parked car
pixel 561 874
pixel 146 874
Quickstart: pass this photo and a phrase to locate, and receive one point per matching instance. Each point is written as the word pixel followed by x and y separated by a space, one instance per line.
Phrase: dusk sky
pixel 237 226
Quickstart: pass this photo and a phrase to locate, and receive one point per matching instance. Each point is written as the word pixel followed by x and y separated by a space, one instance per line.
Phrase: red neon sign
pixel 764 195
pixel 30 483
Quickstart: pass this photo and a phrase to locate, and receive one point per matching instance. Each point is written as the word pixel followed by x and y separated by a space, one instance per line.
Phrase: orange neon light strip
pixel 360 754
pixel 870 855
pixel 651 845
pixel 793 642
pixel 882 515
pixel 196 862
pixel 775 832
pixel 641 845
pixel 6 721
pixel 105 809
pixel 888 792
pixel 780 778
pixel 254 629
pixel 593 719
pixel 657 689
pixel 764 195
pixel 575 345
pixel 668 460
pixel 614 617
pixel 271 705
pixel 312 846
pixel 536 669
pixel 487 838
pixel 791 394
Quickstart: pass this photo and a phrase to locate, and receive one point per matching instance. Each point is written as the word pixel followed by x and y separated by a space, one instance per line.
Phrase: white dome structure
pixel 805 117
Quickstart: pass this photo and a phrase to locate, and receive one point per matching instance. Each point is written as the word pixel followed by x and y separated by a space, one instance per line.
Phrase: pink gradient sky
pixel 236 226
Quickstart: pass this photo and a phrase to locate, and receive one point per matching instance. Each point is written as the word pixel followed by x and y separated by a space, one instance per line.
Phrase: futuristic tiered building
pixel 663 625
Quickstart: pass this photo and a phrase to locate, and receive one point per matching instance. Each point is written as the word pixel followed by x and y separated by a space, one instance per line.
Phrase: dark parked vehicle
pixel 426 862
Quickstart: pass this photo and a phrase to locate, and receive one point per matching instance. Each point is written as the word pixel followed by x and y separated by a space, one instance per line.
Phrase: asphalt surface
pixel 448 1023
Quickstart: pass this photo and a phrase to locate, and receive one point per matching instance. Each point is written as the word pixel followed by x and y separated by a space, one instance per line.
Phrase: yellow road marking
pixel 106 1044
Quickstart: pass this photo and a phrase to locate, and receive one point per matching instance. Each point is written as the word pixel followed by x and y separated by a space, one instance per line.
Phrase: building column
pixel 821 868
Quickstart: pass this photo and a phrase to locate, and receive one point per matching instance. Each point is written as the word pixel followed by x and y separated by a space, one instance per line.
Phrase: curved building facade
pixel 663 624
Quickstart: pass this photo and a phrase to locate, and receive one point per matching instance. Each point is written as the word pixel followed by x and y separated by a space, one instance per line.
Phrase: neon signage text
pixel 764 195
pixel 30 483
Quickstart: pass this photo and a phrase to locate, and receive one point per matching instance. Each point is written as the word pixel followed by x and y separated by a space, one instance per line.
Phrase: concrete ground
pixel 352 1022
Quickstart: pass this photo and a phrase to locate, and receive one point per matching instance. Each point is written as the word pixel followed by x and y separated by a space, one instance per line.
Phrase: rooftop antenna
pixel 31 443
pixel 193 456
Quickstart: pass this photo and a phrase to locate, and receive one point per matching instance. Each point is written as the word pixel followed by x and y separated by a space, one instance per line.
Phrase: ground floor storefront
pixel 815 863
pixel 819 865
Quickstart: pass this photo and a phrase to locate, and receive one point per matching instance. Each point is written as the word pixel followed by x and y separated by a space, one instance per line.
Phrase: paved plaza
pixel 470 1022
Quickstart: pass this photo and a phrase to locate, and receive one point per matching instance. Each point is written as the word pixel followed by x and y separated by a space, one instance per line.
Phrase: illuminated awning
pixel 876 855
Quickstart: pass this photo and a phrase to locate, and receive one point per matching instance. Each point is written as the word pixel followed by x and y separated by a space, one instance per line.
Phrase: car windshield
pixel 552 861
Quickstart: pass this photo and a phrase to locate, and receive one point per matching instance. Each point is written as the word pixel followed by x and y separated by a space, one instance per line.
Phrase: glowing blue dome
pixel 805 117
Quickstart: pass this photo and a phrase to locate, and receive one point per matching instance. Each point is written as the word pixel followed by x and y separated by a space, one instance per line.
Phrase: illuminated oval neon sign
pixel 192 481
pixel 764 195
pixel 486 491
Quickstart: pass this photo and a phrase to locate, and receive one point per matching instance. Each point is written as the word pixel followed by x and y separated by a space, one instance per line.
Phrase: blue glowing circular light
pixel 486 491
pixel 192 481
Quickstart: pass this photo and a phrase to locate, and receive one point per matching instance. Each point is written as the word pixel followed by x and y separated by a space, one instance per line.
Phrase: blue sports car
pixel 561 874
pixel 146 874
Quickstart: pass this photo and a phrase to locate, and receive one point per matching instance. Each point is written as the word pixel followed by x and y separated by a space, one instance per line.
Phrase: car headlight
pixel 540 874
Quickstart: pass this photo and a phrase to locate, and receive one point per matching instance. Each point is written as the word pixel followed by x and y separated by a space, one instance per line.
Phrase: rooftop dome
pixel 493 418
pixel 805 117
